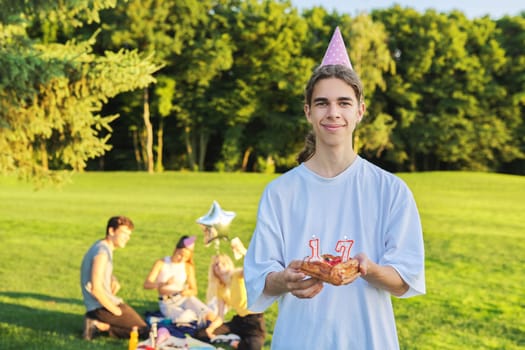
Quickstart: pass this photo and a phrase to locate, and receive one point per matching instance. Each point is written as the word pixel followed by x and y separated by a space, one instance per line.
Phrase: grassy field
pixel 473 224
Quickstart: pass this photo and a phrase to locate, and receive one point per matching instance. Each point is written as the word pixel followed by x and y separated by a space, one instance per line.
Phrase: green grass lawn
pixel 474 227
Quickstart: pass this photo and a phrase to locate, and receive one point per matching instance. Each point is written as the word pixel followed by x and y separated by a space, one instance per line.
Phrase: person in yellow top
pixel 226 286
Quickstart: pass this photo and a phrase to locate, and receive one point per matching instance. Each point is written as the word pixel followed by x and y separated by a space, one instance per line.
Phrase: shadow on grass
pixel 45 317
pixel 34 328
pixel 42 297
pixel 53 321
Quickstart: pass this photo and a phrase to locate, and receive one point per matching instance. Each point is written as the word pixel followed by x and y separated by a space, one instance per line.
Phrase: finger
pixel 351 278
pixel 295 264
pixel 292 275
pixel 363 268
pixel 296 277
pixel 308 293
pixel 306 285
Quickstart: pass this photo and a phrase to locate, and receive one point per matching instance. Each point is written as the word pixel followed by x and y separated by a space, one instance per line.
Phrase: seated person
pixel 174 279
pixel 226 286
pixel 106 311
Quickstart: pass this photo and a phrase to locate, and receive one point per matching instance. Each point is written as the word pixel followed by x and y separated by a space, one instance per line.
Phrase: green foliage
pixel 511 36
pixel 230 151
pixel 449 67
pixel 185 38
pixel 442 91
pixel 50 95
pixel 371 59
pixel 374 138
pixel 66 12
pixel 473 232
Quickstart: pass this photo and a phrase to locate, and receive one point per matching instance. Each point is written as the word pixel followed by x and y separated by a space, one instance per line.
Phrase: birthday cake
pixel 331 269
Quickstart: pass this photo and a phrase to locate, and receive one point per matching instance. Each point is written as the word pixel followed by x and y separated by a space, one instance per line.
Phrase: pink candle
pixel 314 245
pixel 343 246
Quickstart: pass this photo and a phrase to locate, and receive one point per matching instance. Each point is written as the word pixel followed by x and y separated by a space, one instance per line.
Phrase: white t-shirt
pixel 365 204
pixel 176 270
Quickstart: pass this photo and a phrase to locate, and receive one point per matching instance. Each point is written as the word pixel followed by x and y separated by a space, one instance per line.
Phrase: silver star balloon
pixel 216 223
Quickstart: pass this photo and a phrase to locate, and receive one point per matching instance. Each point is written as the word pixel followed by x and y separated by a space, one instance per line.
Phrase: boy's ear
pixel 306 109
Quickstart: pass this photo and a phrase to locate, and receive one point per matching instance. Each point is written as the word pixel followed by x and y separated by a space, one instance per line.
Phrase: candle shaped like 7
pixel 343 247
pixel 314 245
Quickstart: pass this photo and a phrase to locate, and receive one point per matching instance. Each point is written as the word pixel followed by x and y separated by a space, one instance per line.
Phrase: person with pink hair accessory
pixel 174 279
pixel 331 198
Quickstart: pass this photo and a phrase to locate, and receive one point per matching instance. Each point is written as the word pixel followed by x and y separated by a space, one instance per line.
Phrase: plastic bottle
pixel 133 338
pixel 153 335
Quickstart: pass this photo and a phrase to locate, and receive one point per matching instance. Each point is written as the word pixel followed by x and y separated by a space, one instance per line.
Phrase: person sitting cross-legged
pixel 174 279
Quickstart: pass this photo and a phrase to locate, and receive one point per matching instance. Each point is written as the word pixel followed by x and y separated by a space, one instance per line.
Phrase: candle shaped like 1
pixel 343 246
pixel 314 245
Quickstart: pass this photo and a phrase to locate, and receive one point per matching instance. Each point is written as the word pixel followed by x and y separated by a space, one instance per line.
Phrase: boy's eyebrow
pixel 324 99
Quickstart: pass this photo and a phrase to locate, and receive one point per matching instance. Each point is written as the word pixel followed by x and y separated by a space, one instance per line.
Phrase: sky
pixel 471 8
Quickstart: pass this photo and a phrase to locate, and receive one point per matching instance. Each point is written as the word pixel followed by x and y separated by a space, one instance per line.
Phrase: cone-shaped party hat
pixel 336 52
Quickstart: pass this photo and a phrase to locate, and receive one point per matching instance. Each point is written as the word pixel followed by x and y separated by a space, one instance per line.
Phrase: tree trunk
pixel 160 145
pixel 203 142
pixel 245 158
pixel 43 156
pixel 189 148
pixel 412 165
pixel 136 148
pixel 149 132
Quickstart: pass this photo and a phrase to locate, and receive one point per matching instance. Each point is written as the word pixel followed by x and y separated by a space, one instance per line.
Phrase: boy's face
pixel 334 112
pixel 121 236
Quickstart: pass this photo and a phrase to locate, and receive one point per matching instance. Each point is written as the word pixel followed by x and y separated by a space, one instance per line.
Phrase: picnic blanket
pixel 182 335
pixel 174 343
pixel 178 330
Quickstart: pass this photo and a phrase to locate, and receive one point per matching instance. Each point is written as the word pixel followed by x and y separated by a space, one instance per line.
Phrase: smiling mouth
pixel 332 127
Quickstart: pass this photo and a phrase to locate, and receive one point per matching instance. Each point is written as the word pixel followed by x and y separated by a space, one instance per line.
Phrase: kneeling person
pixel 106 311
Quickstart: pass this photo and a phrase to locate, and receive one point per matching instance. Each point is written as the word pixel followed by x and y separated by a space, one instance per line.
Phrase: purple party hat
pixel 336 51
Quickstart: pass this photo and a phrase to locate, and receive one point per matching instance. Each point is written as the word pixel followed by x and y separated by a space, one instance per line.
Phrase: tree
pixel 511 36
pixel 371 58
pixel 244 112
pixel 476 96
pixel 447 97
pixel 51 93
pixel 411 44
pixel 182 36
pixel 271 65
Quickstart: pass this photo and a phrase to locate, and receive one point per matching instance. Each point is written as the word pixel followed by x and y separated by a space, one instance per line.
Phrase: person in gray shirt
pixel 105 311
